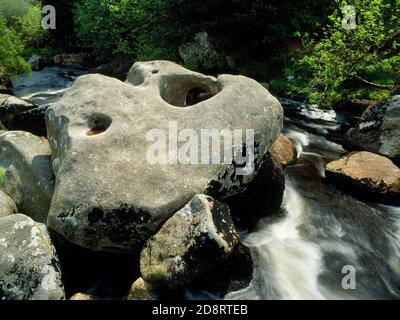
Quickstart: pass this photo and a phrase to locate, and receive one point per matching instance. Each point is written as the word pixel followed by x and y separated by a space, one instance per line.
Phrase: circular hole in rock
pixel 98 123
pixel 186 90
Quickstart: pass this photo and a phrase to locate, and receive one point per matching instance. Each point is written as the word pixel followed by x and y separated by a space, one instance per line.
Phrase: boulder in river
pixel 29 267
pixel 113 190
pixel 7 205
pixel 284 151
pixel 378 130
pixel 10 106
pixel 29 177
pixel 196 239
pixel 368 175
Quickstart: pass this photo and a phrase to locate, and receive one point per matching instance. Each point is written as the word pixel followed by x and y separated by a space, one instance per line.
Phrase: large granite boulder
pixel 7 205
pixel 368 175
pixel 115 184
pixel 378 130
pixel 196 239
pixel 29 177
pixel 29 267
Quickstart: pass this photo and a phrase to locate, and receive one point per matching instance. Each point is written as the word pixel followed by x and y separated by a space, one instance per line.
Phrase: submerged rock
pixel 378 130
pixel 368 175
pixel 196 239
pixel 113 189
pixel 29 177
pixel 284 150
pixel 7 205
pixel 29 267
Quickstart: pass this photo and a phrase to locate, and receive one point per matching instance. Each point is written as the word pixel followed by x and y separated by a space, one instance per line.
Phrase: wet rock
pixel 32 121
pixel 196 239
pixel 284 151
pixel 10 106
pixel 355 106
pixel 34 61
pixel 368 175
pixel 263 195
pixel 112 192
pixel 378 130
pixel 201 52
pixel 29 268
pixel 233 275
pixel 141 290
pixel 7 205
pixel 29 177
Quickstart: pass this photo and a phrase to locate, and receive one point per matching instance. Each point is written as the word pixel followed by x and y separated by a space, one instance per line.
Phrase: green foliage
pixel 351 55
pixel 13 8
pixel 20 28
pixel 29 27
pixel 11 46
pixel 2 173
pixel 148 29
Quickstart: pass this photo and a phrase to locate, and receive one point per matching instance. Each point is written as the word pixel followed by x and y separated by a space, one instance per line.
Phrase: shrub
pixel 354 56
pixel 11 46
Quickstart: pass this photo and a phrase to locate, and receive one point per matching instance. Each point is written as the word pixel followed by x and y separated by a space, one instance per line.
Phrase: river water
pixel 321 231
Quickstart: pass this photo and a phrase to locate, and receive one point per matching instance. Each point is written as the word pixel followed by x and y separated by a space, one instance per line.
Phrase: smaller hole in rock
pixel 155 71
pixel 98 123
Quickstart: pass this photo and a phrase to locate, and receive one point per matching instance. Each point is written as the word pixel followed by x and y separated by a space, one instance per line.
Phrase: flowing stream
pixel 301 253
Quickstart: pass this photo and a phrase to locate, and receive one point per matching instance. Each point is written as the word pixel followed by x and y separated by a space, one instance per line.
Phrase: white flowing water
pixel 300 253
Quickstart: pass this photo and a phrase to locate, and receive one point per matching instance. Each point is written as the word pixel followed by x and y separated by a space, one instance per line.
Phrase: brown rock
pixel 284 151
pixel 368 175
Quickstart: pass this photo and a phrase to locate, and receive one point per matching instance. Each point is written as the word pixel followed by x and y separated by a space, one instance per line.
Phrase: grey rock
pixel 34 61
pixel 201 52
pixel 196 239
pixel 29 177
pixel 378 130
pixel 29 267
pixel 10 106
pixel 108 196
pixel 7 205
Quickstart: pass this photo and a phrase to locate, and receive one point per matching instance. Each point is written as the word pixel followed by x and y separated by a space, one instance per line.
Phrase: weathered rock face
pixel 29 266
pixel 197 238
pixel 202 53
pixel 10 106
pixel 262 197
pixel 109 195
pixel 368 175
pixel 233 275
pixel 284 151
pixel 7 205
pixel 29 177
pixel 378 130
